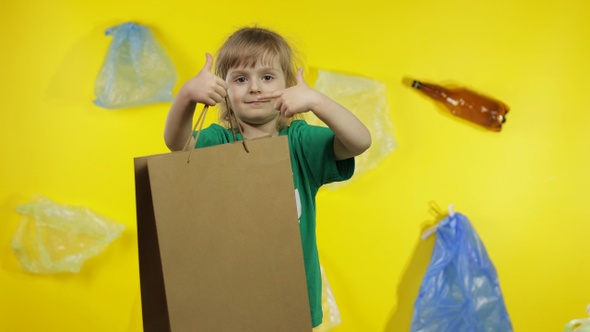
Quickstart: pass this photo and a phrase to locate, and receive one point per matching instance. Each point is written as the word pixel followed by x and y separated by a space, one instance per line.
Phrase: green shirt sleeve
pixel 313 146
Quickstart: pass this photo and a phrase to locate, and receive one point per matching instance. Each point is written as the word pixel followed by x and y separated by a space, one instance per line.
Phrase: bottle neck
pixel 432 90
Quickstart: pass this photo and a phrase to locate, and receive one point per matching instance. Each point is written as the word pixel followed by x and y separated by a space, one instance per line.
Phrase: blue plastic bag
pixel 460 291
pixel 137 71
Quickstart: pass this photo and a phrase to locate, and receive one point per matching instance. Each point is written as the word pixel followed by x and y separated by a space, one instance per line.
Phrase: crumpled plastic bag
pixel 460 291
pixel 137 71
pixel 55 238
pixel 367 100
pixel 329 306
pixel 578 325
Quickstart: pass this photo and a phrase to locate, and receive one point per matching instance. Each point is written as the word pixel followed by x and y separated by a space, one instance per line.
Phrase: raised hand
pixel 206 87
pixel 296 99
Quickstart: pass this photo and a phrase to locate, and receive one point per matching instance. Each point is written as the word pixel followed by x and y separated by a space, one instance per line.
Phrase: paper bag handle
pixel 232 117
pixel 201 121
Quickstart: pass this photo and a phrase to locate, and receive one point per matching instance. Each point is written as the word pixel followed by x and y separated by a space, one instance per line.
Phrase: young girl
pixel 255 71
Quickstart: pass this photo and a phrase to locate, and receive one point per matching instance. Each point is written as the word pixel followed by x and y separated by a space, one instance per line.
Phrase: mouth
pixel 257 102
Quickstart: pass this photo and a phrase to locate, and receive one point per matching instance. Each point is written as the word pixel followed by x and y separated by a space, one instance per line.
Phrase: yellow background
pixel 525 189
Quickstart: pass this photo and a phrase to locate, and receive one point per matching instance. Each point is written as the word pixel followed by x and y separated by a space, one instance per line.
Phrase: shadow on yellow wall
pixel 407 290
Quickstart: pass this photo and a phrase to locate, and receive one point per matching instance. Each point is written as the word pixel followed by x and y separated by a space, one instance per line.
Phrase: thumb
pixel 299 77
pixel 208 62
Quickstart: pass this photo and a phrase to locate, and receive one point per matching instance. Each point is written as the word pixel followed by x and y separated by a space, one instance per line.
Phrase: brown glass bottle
pixel 466 104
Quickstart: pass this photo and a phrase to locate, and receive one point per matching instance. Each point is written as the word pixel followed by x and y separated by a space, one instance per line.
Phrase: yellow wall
pixel 525 189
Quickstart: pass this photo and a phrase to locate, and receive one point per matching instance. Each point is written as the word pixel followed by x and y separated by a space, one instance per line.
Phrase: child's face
pixel 245 83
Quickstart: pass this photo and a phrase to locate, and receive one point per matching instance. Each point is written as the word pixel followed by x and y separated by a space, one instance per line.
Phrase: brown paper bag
pixel 219 242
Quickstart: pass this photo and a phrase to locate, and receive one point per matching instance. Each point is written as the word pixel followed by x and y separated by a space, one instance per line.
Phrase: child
pixel 255 71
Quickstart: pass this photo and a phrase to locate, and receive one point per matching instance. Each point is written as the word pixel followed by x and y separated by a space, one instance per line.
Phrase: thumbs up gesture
pixel 296 99
pixel 206 87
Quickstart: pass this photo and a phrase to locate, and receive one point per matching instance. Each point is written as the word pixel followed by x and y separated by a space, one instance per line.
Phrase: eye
pixel 240 79
pixel 267 77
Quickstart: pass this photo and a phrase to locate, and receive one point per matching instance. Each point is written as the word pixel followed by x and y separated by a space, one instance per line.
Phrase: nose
pixel 254 87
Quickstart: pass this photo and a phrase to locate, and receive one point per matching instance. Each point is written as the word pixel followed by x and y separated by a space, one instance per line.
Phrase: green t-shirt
pixel 312 161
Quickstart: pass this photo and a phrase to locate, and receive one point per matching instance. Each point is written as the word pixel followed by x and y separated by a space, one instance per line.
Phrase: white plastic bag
pixel 329 306
pixel 579 325
pixel 55 238
pixel 367 100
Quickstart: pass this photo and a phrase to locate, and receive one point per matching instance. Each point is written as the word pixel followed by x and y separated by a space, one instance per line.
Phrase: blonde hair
pixel 246 47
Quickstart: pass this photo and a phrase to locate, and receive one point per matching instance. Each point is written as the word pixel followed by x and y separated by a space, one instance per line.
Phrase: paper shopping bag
pixel 219 242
